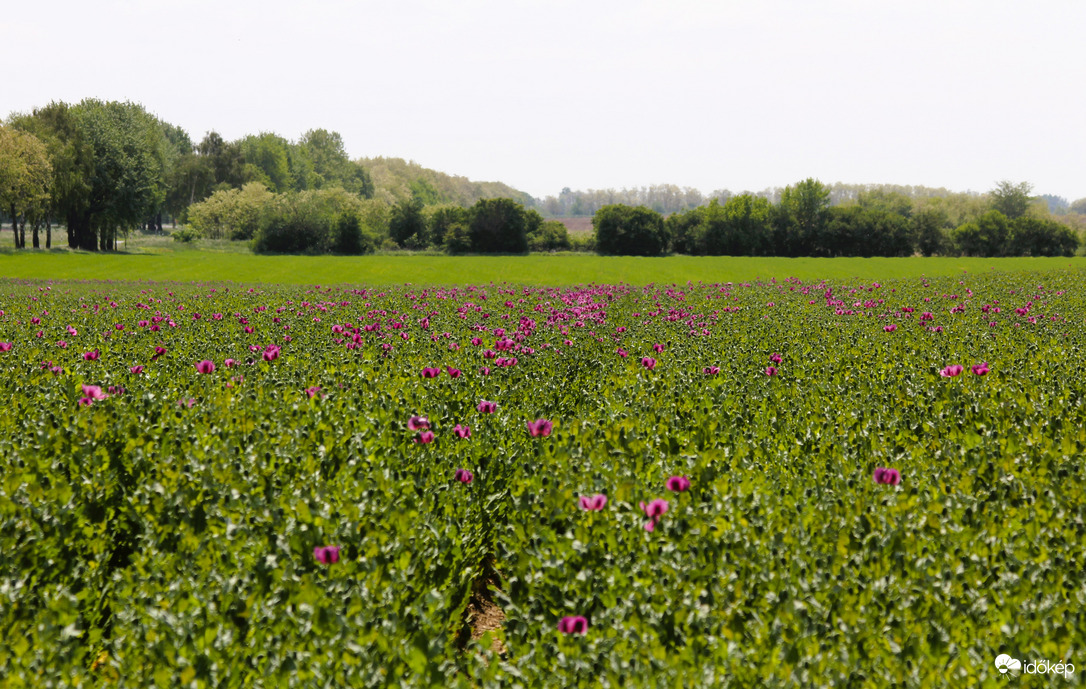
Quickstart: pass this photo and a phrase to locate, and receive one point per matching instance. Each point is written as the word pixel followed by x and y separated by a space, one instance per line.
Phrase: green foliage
pixel 551 235
pixel 633 231
pixel 232 213
pixel 396 179
pixel 186 235
pixel 25 174
pixel 929 229
pixel 439 219
pixel 1038 237
pixel 406 224
pixel 314 222
pixel 1012 200
pixel 987 236
pixel 499 226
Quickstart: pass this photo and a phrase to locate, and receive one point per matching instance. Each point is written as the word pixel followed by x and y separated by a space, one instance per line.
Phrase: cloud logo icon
pixel 1004 663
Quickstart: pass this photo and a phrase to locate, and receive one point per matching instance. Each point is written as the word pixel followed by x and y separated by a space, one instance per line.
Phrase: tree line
pixel 103 168
pixel 1006 222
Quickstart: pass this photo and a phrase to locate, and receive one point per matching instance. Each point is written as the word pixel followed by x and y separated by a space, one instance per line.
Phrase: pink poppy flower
pixel 453 372
pixel 980 369
pixel 206 366
pixel 431 372
pixel 648 362
pixel 887 476
pixel 138 369
pixel 573 625
pixel 418 423
pixel 159 351
pixel 86 401
pixel 425 438
pixel 654 510
pixel 770 371
pixel 186 402
pixel 91 356
pixel 593 503
pixel 94 392
pixel 326 554
pixel 487 407
pixel 951 371
pixel 657 348
pixel 229 363
pixel 678 484
pixel 461 431
pixel 485 370
pixel 271 353
pixel 712 370
pixel 622 352
pixel 540 427
pixel 889 328
pixel 5 346
pixel 312 390
pixel 463 476
pixel 775 358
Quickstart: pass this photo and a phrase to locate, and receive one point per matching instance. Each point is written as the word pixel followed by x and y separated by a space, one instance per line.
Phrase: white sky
pixel 595 94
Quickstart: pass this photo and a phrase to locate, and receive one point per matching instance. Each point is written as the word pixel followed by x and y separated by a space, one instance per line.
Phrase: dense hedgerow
pixel 777 484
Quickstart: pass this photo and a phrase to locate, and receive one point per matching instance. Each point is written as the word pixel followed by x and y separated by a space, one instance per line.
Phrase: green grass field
pixel 214 264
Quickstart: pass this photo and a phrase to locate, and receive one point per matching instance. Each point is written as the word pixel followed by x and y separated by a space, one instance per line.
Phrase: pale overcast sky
pixel 548 94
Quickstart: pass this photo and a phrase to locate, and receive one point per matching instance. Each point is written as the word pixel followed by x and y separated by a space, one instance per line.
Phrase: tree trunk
pixel 37 224
pixel 48 233
pixel 14 226
pixel 158 222
pixel 22 233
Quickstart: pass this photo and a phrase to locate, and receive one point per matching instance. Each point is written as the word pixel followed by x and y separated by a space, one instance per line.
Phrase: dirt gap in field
pixel 483 614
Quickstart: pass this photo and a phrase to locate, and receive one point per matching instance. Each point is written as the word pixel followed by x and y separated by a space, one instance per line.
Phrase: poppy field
pixel 779 483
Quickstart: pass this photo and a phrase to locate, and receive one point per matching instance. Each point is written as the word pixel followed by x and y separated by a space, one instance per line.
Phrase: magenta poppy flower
pixel 951 371
pixel 91 356
pixel 540 427
pixel 593 503
pixel 654 510
pixel 431 372
pixel 94 392
pixel 980 369
pixel 271 353
pixel 775 358
pixel 418 423
pixel 463 476
pixel 487 407
pixel 229 363
pixel 712 370
pixel 887 476
pixel 206 366
pixel 890 328
pixel 5 346
pixel 573 625
pixel 136 369
pixel 425 438
pixel 622 352
pixel 159 351
pixel 86 401
pixel 312 390
pixel 657 348
pixel 186 402
pixel 648 362
pixel 461 431
pixel 770 371
pixel 678 484
pixel 326 554
pixel 453 372
pixel 485 370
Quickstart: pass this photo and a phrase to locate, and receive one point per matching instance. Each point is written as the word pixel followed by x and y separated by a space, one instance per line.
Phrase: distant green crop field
pixel 536 269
